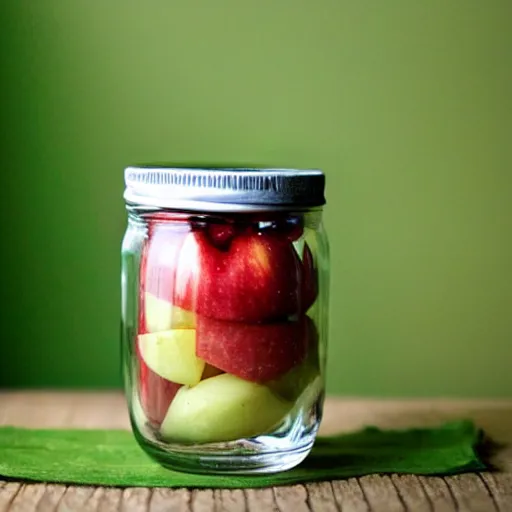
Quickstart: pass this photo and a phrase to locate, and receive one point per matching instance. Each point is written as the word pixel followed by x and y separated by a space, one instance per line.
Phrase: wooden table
pixel 481 492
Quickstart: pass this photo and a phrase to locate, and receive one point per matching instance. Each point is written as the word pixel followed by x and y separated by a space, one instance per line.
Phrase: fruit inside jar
pixel 225 345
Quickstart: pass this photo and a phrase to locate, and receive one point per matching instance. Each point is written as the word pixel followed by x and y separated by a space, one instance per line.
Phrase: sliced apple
pixel 161 315
pixel 255 352
pixel 294 382
pixel 172 355
pixel 155 392
pixel 222 408
pixel 158 265
pixel 257 278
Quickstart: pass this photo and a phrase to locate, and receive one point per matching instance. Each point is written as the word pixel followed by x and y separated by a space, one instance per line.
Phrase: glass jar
pixel 224 315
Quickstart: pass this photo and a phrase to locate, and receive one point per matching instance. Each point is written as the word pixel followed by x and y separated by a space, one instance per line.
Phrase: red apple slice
pixel 254 352
pixel 256 279
pixel 162 251
pixel 155 392
pixel 293 383
pixel 156 280
pixel 221 234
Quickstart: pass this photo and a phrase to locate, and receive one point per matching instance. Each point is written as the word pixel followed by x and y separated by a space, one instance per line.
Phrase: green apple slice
pixel 293 383
pixel 222 408
pixel 162 315
pixel 172 355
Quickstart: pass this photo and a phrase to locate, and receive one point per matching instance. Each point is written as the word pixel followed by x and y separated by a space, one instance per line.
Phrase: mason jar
pixel 225 284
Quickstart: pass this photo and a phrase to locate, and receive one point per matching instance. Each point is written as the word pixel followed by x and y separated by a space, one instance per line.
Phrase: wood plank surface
pixel 483 492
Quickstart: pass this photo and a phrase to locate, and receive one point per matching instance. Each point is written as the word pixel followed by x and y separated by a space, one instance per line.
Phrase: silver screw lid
pixel 224 189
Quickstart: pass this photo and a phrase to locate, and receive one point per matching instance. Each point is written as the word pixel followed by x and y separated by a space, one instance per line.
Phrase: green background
pixel 406 105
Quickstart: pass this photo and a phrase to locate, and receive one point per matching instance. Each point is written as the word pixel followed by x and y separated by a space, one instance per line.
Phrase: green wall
pixel 406 105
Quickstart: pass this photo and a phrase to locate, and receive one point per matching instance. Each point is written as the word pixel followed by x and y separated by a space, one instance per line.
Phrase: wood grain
pixel 484 492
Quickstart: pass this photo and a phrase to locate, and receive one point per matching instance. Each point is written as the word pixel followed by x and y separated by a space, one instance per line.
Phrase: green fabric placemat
pixel 113 458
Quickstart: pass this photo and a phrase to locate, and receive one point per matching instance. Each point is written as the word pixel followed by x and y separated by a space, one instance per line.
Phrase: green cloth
pixel 113 458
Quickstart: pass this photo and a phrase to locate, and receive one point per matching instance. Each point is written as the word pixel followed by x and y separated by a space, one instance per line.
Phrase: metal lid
pixel 224 189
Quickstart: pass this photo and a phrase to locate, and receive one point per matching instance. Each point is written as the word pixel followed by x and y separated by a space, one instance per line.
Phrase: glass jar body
pixel 224 336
